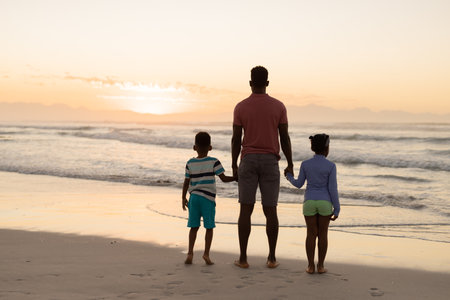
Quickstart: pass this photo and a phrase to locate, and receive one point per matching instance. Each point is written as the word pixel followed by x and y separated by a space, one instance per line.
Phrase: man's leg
pixel 272 231
pixel 244 228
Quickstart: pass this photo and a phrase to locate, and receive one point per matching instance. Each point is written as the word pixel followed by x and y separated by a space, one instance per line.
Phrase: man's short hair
pixel 203 139
pixel 259 76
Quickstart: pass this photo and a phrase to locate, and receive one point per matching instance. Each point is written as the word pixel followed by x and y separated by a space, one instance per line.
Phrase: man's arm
pixel 285 142
pixel 236 142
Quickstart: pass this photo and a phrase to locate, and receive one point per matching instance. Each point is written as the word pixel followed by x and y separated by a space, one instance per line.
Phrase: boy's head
pixel 202 142
pixel 258 76
pixel 320 143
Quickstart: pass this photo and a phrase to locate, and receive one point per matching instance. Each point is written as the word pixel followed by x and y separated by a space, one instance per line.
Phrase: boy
pixel 200 181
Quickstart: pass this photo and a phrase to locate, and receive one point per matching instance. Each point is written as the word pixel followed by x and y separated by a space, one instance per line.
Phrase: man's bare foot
pixel 243 265
pixel 189 259
pixel 321 269
pixel 272 264
pixel 310 270
pixel 207 260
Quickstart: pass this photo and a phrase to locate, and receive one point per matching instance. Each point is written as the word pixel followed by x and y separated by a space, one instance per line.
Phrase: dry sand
pixel 39 265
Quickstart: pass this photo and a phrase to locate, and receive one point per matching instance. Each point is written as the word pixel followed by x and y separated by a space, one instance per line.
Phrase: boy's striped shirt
pixel 202 172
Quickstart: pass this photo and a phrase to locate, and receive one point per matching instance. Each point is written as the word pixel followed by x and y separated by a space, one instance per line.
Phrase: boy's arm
pixel 226 178
pixel 184 200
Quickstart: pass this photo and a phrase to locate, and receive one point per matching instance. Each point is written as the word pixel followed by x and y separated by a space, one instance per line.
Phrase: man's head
pixel 202 142
pixel 258 76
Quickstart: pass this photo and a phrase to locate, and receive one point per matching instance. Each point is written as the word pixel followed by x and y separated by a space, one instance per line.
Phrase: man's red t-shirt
pixel 260 115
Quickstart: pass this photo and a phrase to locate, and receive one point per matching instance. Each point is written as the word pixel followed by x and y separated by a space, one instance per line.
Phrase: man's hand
pixel 235 173
pixel 289 169
pixel 184 203
pixel 333 217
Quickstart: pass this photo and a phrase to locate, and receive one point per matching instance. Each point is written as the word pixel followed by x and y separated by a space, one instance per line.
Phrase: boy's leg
pixel 192 238
pixel 209 215
pixel 208 241
pixel 194 224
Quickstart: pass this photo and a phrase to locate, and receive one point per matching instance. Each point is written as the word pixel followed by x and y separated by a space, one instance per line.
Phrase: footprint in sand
pixel 375 292
pixel 129 295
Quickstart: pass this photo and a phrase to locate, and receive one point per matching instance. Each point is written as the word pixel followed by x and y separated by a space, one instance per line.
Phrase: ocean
pixel 393 179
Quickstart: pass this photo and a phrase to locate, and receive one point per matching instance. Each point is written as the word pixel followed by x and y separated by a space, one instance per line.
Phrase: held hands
pixel 235 173
pixel 289 170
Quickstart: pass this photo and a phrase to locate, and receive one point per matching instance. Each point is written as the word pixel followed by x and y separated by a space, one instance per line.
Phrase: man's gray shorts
pixel 259 169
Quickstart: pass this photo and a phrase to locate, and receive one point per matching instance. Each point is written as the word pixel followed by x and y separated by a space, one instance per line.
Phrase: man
pixel 263 118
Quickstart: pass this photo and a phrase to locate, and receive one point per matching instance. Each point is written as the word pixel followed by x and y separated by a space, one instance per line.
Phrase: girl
pixel 321 202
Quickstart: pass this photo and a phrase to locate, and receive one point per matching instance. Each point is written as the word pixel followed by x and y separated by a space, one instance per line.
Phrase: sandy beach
pixel 39 265
pixel 79 239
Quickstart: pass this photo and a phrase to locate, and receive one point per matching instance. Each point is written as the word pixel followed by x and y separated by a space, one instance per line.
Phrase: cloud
pixel 108 81
pixel 200 92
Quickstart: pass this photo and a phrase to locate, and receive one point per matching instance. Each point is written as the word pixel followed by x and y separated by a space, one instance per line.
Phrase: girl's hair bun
pixel 319 142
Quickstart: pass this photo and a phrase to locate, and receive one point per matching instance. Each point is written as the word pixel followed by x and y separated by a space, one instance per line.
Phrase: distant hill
pixel 30 112
pixel 315 113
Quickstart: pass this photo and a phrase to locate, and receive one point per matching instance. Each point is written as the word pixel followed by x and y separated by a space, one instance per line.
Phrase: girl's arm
pixel 332 189
pixel 300 180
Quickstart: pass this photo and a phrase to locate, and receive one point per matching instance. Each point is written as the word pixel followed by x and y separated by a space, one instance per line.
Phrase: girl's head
pixel 320 143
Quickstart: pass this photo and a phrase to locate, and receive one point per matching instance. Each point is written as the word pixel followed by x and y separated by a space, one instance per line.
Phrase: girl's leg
pixel 324 221
pixel 208 241
pixel 310 243
pixel 192 238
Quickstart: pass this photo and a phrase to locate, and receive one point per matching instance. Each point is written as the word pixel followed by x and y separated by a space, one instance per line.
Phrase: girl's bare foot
pixel 207 260
pixel 310 269
pixel 321 269
pixel 189 259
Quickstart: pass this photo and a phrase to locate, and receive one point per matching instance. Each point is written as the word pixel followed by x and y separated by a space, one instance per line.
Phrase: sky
pixel 174 56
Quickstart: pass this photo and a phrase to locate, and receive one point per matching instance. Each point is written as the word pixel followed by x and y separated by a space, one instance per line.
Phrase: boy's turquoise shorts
pixel 314 207
pixel 201 207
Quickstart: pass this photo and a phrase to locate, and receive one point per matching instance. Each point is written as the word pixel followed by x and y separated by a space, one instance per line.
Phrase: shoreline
pixel 42 265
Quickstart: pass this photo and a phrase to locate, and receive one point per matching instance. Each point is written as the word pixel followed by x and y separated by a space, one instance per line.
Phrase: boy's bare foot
pixel 272 264
pixel 207 260
pixel 243 265
pixel 310 270
pixel 189 259
pixel 321 269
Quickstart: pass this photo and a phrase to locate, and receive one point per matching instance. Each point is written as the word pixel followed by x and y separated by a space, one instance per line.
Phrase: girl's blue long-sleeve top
pixel 320 174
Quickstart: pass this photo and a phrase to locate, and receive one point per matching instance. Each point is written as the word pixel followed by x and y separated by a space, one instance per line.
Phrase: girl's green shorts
pixel 314 207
